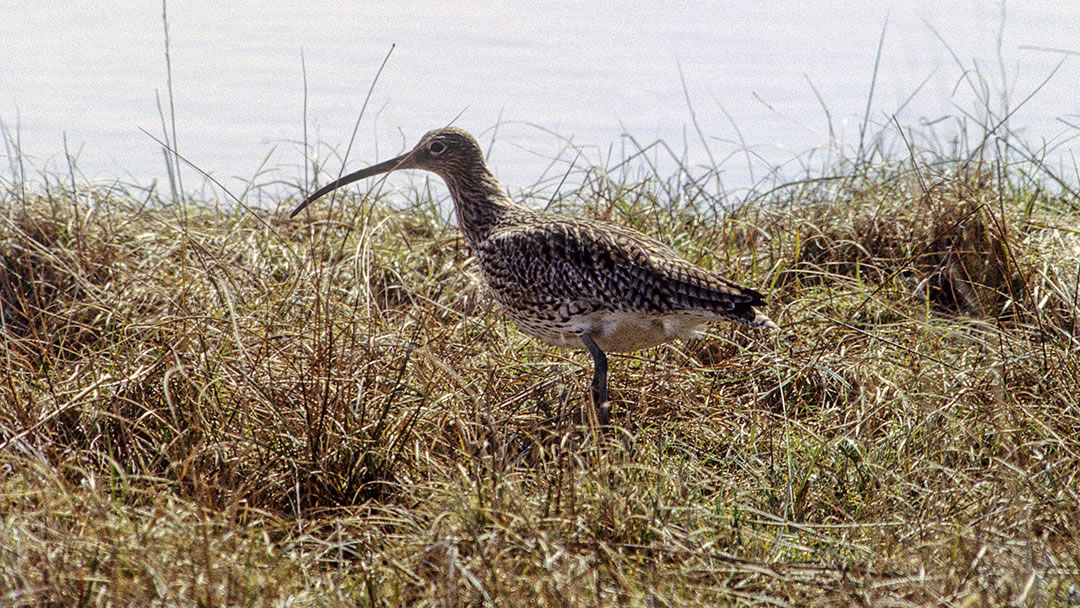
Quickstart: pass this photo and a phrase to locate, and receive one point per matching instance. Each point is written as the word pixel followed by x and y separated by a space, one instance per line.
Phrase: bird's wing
pixel 553 261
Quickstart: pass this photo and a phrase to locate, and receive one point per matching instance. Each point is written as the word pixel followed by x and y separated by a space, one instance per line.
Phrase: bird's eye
pixel 437 147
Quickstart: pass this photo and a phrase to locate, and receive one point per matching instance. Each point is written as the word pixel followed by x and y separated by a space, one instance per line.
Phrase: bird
pixel 570 281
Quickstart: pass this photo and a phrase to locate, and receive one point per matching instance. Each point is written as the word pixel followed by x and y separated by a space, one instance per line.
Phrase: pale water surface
pixel 594 73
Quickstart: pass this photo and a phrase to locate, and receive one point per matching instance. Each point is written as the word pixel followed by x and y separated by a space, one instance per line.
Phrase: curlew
pixel 569 281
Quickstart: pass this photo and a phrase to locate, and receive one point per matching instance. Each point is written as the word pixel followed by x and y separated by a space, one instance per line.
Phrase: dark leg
pixel 598 391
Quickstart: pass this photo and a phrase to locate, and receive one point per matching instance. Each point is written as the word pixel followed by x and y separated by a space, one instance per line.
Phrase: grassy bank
pixel 224 408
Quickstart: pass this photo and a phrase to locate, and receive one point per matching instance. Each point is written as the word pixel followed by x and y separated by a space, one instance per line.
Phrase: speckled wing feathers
pixel 554 266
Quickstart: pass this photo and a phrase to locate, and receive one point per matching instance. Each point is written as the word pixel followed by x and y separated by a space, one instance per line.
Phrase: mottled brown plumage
pixel 569 281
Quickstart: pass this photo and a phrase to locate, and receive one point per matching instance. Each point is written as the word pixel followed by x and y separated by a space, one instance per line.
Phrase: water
pixel 602 76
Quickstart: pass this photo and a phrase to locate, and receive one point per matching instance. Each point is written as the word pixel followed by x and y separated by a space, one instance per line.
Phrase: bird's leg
pixel 598 392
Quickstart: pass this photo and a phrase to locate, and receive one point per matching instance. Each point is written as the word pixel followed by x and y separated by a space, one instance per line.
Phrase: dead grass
pixel 224 408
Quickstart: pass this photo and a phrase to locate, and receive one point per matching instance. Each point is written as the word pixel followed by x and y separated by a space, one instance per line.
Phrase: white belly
pixel 613 331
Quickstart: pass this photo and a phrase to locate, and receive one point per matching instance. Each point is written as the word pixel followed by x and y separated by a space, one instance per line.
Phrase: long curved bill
pixel 383 167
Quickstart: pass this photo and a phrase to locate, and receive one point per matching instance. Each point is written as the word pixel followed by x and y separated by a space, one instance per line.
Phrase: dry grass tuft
pixel 953 234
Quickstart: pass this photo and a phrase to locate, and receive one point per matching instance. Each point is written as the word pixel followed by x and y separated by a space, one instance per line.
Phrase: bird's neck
pixel 480 200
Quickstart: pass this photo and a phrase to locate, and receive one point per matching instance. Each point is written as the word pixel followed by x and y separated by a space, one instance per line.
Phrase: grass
pixel 205 407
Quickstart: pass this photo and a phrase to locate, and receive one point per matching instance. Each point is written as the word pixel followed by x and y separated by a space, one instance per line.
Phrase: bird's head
pixel 448 152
